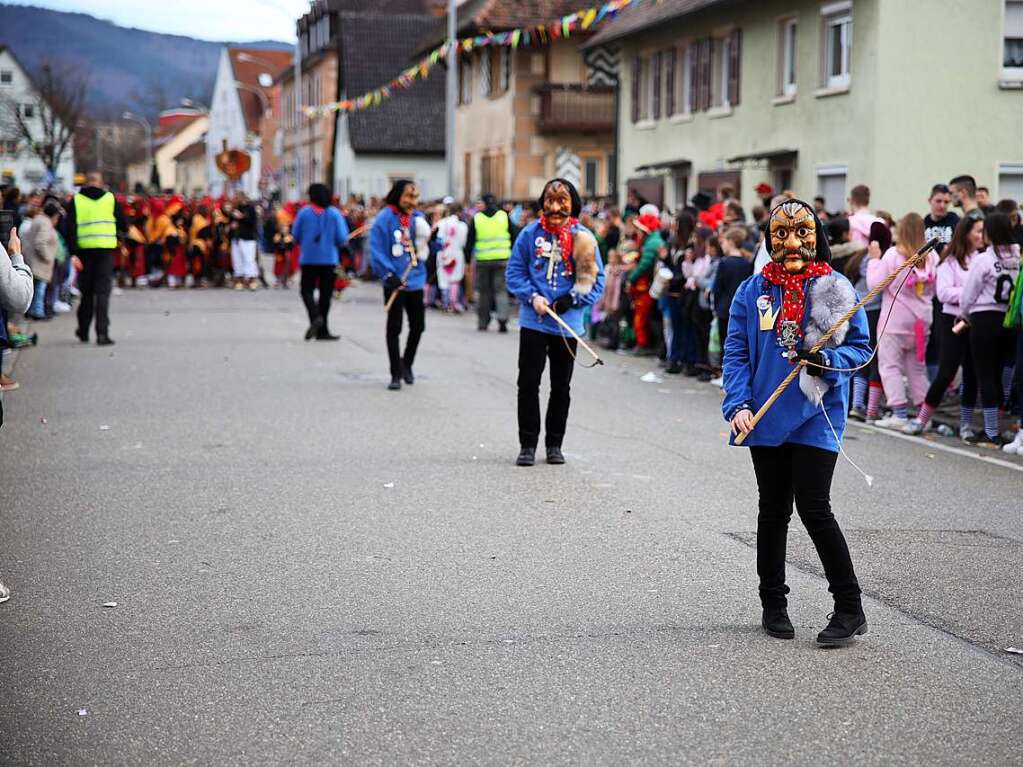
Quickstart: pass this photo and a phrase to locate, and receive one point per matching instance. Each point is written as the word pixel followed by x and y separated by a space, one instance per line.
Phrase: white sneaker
pixel 913 428
pixel 61 308
pixel 893 422
pixel 718 382
pixel 1016 446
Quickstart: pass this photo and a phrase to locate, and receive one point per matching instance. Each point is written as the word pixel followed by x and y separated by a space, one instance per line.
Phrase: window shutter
pixel 694 55
pixel 669 81
pixel 655 85
pixel 637 66
pixel 734 64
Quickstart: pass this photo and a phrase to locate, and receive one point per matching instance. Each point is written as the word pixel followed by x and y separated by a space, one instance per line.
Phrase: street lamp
pixel 132 117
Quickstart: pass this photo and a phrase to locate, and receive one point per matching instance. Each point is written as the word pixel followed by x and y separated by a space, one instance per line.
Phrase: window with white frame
pixel 787 57
pixel 506 68
pixel 1010 181
pixel 28 111
pixel 645 95
pixel 485 74
pixel 1012 48
pixel 466 83
pixel 836 25
pixel 684 81
pixel 719 72
pixel 6 77
pixel 831 183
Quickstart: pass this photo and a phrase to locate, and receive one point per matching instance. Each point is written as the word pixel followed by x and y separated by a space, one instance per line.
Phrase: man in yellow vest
pixel 94 224
pixel 490 240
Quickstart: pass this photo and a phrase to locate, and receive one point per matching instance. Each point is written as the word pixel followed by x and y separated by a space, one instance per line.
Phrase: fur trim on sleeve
pixel 584 254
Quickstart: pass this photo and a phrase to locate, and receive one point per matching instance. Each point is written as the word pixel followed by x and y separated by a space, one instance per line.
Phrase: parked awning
pixel 770 154
pixel 673 165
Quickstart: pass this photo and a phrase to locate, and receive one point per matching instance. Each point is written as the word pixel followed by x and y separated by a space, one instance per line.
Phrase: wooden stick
pixel 575 335
pixel 910 263
pixel 404 278
pixel 358 232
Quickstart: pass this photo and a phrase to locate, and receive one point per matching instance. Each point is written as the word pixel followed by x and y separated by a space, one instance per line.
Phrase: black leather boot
pixel 527 457
pixel 554 456
pixel 842 628
pixel 395 384
pixel 776 623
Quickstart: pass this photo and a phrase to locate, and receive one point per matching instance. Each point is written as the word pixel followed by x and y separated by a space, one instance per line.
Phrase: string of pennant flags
pixel 541 34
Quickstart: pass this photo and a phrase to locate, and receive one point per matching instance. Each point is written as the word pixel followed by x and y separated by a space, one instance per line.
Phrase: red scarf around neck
pixel 405 219
pixel 564 235
pixel 793 290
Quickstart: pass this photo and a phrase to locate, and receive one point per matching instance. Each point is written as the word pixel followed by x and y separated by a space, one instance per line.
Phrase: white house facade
pixel 228 129
pixel 18 163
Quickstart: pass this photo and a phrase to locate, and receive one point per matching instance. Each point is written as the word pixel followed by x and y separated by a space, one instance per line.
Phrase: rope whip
pixel 902 271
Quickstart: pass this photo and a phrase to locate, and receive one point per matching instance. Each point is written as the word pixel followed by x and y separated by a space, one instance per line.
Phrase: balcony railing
pixel 574 108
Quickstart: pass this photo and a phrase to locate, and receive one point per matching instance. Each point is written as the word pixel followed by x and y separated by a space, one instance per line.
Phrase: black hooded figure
pixel 775 320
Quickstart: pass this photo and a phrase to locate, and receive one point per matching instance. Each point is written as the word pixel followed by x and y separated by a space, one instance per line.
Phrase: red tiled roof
pixel 193 151
pixel 248 72
pixel 643 15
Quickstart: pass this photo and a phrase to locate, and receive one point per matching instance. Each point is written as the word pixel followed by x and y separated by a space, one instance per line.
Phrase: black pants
pixel 321 278
pixel 953 352
pixel 96 280
pixel 535 348
pixel 801 473
pixel 991 345
pixel 409 302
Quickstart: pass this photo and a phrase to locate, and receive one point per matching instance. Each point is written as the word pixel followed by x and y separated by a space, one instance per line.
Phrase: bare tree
pixel 48 125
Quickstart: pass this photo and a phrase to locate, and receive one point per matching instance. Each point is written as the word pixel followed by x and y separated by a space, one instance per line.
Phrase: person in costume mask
pixel 554 264
pixel 776 317
pixel 399 244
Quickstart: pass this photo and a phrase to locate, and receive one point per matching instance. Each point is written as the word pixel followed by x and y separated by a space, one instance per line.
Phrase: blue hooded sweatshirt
pixel 388 254
pixel 319 233
pixel 754 366
pixel 526 276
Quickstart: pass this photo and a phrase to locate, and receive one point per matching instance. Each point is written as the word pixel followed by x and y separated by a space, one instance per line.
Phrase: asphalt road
pixel 309 569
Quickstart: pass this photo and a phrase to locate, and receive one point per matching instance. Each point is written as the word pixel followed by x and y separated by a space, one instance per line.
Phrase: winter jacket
pixel 989 285
pixel 44 248
pixel 390 255
pixel 754 366
pixel 950 281
pixel 526 276
pixel 15 283
pixel 910 304
pixel 319 232
pixel 647 258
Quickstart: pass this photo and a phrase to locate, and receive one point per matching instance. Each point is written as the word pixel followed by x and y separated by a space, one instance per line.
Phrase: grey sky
pixel 229 20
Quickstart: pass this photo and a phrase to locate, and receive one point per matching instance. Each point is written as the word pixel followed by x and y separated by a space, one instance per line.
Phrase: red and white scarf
pixel 565 239
pixel 793 290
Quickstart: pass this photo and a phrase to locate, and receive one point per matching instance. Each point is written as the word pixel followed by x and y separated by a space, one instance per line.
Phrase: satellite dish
pixel 265 79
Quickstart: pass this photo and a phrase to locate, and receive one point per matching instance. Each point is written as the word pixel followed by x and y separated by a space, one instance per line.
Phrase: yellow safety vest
pixel 95 222
pixel 493 237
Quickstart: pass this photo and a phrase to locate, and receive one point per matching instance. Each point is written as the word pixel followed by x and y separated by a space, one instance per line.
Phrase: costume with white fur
pixel 538 267
pixel 755 362
pixel 776 318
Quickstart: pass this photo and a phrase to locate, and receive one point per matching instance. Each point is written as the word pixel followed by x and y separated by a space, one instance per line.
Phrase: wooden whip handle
pixel 910 263
pixel 404 278
pixel 575 335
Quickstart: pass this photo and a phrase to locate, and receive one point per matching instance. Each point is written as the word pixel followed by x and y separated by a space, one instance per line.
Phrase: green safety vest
pixel 95 222
pixel 493 237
